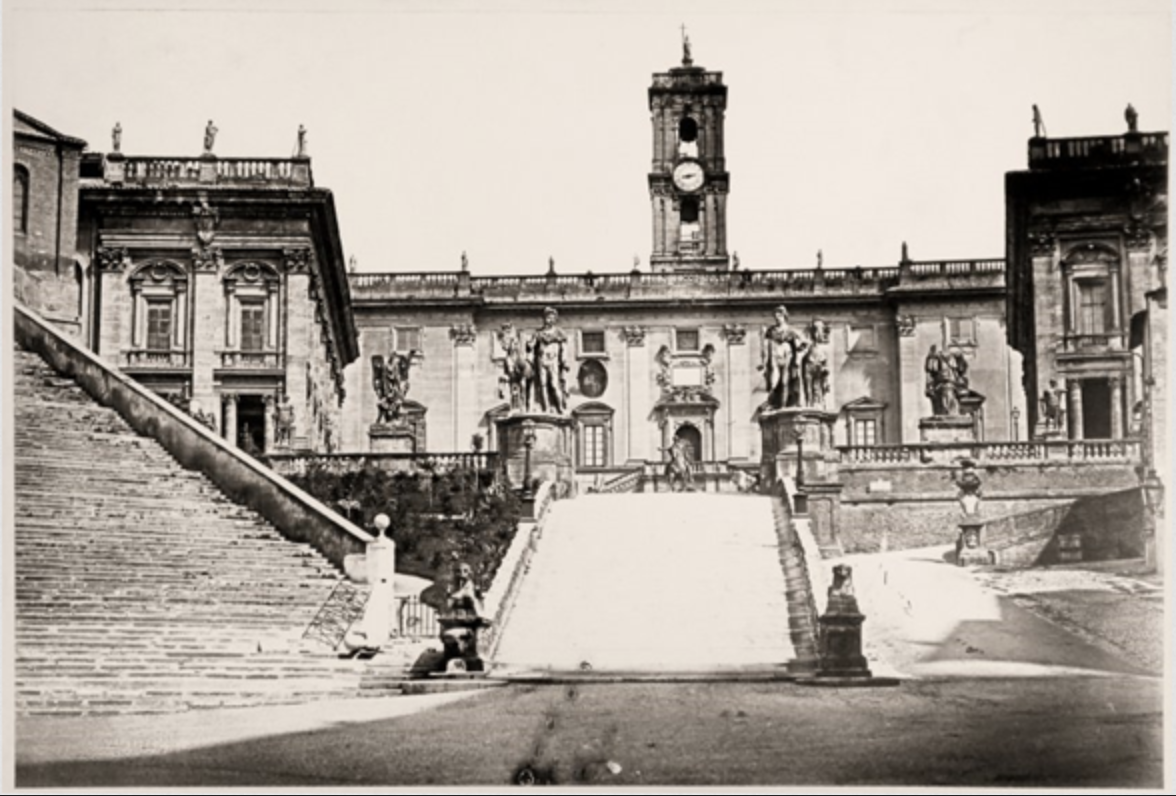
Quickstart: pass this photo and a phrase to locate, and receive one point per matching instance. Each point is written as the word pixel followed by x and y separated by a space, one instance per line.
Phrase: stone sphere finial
pixel 382 522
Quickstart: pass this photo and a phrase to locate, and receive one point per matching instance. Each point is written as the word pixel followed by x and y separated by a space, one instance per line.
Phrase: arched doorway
pixel 693 437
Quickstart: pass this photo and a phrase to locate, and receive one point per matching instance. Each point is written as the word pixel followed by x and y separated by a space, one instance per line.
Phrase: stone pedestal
pixel 841 640
pixel 781 428
pixel 386 438
pixel 550 455
pixel 460 634
pixel 947 428
pixel 969 547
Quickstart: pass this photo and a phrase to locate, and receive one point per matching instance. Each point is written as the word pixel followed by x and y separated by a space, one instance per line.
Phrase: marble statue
pixel 210 132
pixel 390 379
pixel 947 380
pixel 814 369
pixel 783 350
pixel 515 380
pixel 547 352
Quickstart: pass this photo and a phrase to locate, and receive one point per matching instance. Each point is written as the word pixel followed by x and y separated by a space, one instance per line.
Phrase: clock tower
pixel 688 183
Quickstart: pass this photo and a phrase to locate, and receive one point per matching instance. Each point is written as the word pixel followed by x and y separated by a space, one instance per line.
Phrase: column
pixel 737 407
pixel 206 314
pixel 137 313
pixel 913 404
pixel 300 331
pixel 709 234
pixel 465 380
pixel 1075 409
pixel 638 401
pixel 230 415
pixel 1116 407
pixel 180 332
pixel 270 405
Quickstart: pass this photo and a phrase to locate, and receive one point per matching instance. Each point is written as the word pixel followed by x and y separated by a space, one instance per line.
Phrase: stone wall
pixel 48 277
pixel 1109 526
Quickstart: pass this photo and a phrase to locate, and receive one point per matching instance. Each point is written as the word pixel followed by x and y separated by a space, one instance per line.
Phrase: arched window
pixel 251 316
pixel 20 200
pixel 594 437
pixel 159 292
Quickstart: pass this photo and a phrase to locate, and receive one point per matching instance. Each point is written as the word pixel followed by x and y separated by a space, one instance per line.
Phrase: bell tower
pixel 688 183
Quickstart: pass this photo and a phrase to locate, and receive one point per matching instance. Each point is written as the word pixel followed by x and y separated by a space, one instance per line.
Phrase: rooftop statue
pixel 116 137
pixel 1038 123
pixel 301 141
pixel 1132 119
pixel 209 137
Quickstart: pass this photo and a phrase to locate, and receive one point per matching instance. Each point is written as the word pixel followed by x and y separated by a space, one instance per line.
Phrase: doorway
pixel 693 438
pixel 1096 409
pixel 251 424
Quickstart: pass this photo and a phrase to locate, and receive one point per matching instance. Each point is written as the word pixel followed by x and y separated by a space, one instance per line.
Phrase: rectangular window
pixel 865 432
pixel 159 325
pixel 591 342
pixel 1092 307
pixel 687 339
pixel 592 446
pixel 252 327
pixel 408 339
pixel 861 338
pixel 961 330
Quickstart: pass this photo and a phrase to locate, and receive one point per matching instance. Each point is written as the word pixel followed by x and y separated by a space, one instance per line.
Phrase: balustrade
pixel 251 360
pixel 1118 450
pixel 156 359
pixel 148 170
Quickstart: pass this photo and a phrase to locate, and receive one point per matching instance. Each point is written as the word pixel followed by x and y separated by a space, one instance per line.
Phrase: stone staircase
pixel 665 583
pixel 140 588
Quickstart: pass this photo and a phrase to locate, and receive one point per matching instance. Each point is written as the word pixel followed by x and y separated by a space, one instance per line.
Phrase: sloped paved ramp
pixel 652 583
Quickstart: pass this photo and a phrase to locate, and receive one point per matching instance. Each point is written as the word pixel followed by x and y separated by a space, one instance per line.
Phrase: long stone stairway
pixel 653 583
pixel 139 586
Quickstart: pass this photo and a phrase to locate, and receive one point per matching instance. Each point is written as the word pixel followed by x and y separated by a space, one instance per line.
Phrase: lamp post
pixel 800 499
pixel 528 443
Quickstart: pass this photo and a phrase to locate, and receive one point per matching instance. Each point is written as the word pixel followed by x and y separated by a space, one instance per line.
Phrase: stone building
pixel 1087 248
pixel 218 282
pixel 46 167
pixel 677 352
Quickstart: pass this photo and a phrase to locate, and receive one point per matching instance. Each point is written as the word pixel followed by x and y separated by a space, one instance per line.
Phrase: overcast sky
pixel 515 131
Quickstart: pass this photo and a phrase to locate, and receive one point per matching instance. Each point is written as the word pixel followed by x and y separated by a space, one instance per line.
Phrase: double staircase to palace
pixel 140 587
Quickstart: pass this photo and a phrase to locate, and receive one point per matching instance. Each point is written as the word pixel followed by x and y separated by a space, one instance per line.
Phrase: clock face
pixel 688 176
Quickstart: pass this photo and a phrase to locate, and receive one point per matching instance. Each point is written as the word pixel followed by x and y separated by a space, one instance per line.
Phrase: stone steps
pixel 140 587
pixel 699 589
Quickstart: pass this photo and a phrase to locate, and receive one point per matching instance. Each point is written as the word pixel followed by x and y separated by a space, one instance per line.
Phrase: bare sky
pixel 515 131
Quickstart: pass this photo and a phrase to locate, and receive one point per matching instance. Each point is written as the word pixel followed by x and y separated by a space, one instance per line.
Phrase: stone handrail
pixel 502 594
pixel 1070 451
pixel 637 285
pixel 1053 152
pixel 208 170
pixel 293 512
pixel 298 463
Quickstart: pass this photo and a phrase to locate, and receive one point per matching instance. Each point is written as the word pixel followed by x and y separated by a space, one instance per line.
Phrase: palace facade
pixel 217 282
pixel 676 352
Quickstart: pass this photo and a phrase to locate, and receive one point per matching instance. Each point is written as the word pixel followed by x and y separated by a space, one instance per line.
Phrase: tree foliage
pixel 439 517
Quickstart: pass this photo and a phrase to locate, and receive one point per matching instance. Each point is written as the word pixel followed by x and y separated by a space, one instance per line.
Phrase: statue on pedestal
pixel 517 375
pixel 1053 406
pixel 680 468
pixel 1132 117
pixel 947 380
pixel 814 369
pixel 547 351
pixel 116 138
pixel 301 141
pixel 783 350
pixel 461 621
pixel 283 422
pixel 390 380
